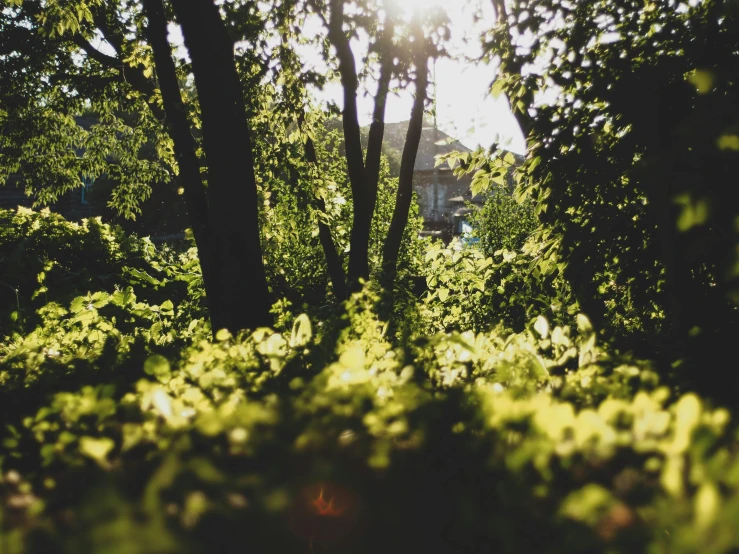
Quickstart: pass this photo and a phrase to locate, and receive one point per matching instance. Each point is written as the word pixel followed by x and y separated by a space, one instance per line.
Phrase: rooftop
pixel 433 142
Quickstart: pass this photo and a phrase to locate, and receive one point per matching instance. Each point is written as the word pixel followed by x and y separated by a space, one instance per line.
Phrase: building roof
pixel 433 142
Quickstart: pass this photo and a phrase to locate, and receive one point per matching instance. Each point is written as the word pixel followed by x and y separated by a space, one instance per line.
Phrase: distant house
pixel 440 194
pixel 164 217
pixel 442 197
pixel 73 205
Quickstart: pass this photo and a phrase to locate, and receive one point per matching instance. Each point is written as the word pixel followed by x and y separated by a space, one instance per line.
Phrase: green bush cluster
pixel 46 259
pixel 127 429
pixel 470 289
pixel 295 260
pixel 503 223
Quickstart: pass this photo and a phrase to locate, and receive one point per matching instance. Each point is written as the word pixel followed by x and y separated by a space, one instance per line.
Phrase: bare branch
pixel 97 55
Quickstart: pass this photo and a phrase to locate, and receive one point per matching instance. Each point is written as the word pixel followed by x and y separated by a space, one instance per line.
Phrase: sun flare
pixel 407 7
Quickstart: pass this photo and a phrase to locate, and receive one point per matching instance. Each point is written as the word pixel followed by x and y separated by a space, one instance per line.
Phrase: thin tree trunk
pixel 677 276
pixel 359 240
pixel 244 300
pixel 333 262
pixel 523 118
pixel 405 184
pixel 377 128
pixel 185 148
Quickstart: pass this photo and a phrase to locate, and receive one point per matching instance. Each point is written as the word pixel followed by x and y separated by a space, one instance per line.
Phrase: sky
pixel 465 109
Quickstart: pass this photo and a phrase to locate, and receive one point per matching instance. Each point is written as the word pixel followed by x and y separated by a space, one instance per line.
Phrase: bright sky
pixel 465 108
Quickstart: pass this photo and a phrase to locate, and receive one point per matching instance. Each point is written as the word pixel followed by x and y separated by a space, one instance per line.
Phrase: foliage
pixel 469 290
pixel 289 221
pixel 46 147
pixel 582 445
pixel 46 259
pixel 628 116
pixel 484 414
pixel 503 223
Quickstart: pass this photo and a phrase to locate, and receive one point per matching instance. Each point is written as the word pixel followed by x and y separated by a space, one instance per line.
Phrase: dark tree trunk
pixel 377 128
pixel 243 300
pixel 172 115
pixel 333 262
pixel 523 118
pixel 359 241
pixel 185 148
pixel 405 184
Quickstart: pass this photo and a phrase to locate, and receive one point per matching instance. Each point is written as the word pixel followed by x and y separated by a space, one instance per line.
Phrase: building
pixel 443 198
pixel 74 204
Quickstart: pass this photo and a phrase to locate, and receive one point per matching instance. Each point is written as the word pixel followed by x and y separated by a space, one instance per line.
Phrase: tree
pixel 389 42
pixel 242 297
pixel 115 59
pixel 421 54
pixel 223 216
pixel 629 164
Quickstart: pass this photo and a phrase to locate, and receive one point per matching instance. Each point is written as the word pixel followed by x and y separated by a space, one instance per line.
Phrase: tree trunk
pixel 185 148
pixel 377 128
pixel 359 240
pixel 523 118
pixel 333 262
pixel 410 149
pixel 243 300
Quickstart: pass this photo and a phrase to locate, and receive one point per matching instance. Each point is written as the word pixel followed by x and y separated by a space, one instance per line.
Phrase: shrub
pixel 126 429
pixel 503 223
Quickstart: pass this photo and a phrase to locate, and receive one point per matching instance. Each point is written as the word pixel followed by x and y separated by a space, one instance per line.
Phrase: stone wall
pixel 439 202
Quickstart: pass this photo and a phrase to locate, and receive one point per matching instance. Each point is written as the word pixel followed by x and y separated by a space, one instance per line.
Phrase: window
pixel 86 189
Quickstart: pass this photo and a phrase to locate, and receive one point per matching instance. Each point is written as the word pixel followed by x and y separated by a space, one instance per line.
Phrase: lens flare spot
pixel 326 507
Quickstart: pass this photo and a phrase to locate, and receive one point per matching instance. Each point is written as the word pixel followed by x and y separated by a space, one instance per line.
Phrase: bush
pixel 467 290
pixel 128 430
pixel 503 223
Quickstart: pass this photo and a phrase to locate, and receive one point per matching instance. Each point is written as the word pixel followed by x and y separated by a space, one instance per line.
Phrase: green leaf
pixel 702 80
pixel 143 276
pixel 78 304
pixel 96 448
pixel 707 505
pixel 497 89
pixel 541 326
pixel 166 308
pixel 157 366
pixel 123 298
pixel 223 335
pixel 694 212
pixel 353 358
pixel 302 332
pixel 443 294
pixel 584 325
pixel 100 299
pixel 728 142
pixel 509 158
pixel 587 504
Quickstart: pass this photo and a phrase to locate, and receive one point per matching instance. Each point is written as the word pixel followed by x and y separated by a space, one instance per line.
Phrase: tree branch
pixel 359 241
pixel 178 126
pixel 377 128
pixel 97 55
pixel 333 262
pixel 404 196
pixel 114 38
pixel 512 66
pixel 134 76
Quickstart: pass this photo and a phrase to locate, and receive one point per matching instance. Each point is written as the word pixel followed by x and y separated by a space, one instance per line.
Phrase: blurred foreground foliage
pixel 127 430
